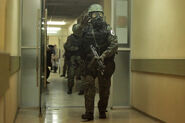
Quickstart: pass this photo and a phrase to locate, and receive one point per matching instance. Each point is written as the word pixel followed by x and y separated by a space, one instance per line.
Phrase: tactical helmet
pixel 95 8
pixel 75 27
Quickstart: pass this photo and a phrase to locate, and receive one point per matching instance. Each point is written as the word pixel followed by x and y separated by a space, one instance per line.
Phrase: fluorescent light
pixel 51 32
pixel 56 22
pixel 53 28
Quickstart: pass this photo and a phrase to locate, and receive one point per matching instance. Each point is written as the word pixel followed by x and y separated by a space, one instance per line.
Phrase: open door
pixel 43 60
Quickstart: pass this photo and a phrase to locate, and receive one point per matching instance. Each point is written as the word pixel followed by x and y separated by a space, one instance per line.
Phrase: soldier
pixel 97 33
pixel 66 57
pixel 73 46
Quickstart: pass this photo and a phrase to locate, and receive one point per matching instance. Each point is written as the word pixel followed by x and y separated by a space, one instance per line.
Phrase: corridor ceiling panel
pixel 68 9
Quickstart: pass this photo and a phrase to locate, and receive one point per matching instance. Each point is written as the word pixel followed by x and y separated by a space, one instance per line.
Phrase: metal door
pixel 43 61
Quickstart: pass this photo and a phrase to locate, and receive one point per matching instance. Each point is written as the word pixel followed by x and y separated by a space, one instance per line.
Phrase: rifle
pixel 101 66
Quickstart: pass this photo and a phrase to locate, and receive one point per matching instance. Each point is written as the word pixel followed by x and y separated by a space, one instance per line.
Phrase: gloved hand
pixel 100 58
pixel 85 20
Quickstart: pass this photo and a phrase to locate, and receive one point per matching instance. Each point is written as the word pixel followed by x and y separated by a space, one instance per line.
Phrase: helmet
pixel 95 8
pixel 75 27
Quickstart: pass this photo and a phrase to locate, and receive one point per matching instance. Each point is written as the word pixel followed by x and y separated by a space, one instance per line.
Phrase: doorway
pixel 58 17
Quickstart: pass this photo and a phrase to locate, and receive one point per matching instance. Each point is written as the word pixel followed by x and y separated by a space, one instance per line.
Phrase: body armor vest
pixel 97 38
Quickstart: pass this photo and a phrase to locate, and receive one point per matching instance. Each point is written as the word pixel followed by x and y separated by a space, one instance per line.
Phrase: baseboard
pixel 120 107
pixel 15 117
pixel 144 113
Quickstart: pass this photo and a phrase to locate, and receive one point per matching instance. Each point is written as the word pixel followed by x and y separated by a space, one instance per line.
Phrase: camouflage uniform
pixel 66 62
pixel 73 46
pixel 105 42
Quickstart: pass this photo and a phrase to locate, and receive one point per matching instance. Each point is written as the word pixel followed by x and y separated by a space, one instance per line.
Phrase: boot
pixel 102 115
pixel 88 116
pixel 63 75
pixel 81 92
pixel 69 91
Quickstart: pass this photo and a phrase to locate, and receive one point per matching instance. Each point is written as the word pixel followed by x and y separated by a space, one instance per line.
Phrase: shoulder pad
pixel 109 27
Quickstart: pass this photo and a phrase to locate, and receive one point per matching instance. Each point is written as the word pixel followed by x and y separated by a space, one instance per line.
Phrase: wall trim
pixel 120 107
pixel 160 66
pixel 4 72
pixel 14 64
pixel 152 117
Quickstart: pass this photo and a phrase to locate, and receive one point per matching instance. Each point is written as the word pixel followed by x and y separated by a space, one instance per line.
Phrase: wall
pixel 3 23
pixel 107 10
pixel 158 30
pixel 53 40
pixel 2 41
pixel 9 43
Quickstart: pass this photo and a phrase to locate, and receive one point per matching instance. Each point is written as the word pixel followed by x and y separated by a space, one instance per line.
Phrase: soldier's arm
pixel 80 29
pixel 69 46
pixel 112 48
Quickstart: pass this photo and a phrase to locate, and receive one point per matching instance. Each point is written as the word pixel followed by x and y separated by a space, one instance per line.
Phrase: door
pixel 43 61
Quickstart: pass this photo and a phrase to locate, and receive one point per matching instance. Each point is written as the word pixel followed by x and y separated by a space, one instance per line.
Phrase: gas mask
pixel 97 19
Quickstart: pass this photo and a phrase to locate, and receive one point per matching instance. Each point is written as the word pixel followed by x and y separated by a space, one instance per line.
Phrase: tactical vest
pixel 75 41
pixel 97 38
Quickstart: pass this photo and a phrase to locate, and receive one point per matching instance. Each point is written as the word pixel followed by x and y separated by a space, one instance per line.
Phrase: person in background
pixel 54 59
pixel 66 57
pixel 49 64
pixel 73 46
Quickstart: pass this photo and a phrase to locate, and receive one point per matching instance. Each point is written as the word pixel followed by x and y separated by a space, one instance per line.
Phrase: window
pixel 121 22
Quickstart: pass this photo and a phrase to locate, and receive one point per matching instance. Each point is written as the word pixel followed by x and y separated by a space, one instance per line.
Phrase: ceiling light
pixel 56 22
pixel 53 28
pixel 51 32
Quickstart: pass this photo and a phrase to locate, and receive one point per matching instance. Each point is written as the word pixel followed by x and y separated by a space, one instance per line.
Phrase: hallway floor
pixel 57 96
pixel 73 115
pixel 64 108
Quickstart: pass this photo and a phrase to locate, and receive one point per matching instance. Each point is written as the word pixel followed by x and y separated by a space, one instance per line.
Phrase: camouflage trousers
pixel 104 83
pixel 74 70
pixel 66 67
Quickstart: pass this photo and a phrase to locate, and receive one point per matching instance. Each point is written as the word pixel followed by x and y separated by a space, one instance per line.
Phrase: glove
pixel 99 58
pixel 102 57
pixel 85 20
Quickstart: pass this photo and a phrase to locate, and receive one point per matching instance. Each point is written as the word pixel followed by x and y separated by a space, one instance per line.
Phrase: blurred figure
pixel 66 57
pixel 49 64
pixel 54 59
pixel 73 46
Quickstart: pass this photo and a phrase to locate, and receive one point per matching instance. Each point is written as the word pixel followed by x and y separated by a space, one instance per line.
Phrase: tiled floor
pixel 57 93
pixel 73 115
pixel 64 108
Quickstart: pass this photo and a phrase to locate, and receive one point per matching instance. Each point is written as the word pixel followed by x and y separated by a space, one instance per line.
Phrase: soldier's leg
pixel 104 92
pixel 89 94
pixel 71 79
pixel 68 67
pixel 81 91
pixel 71 75
pixel 104 88
pixel 79 76
pixel 64 68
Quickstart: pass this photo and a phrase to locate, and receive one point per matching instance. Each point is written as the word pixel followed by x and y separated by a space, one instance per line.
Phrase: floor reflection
pixel 57 96
pixel 64 108
pixel 73 115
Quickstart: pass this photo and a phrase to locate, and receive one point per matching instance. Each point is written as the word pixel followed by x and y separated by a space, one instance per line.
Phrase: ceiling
pixel 67 10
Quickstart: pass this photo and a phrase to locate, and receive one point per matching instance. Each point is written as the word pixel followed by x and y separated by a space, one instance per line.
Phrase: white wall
pixel 158 30
pixel 10 31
